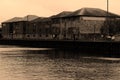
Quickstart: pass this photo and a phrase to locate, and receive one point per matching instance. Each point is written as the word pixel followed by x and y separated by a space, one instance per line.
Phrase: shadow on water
pixel 75 54
pixel 72 52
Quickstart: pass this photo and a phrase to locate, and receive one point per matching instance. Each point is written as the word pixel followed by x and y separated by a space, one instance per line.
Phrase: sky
pixel 46 8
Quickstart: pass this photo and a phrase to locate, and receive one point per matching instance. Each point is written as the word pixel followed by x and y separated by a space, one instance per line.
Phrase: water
pixel 23 63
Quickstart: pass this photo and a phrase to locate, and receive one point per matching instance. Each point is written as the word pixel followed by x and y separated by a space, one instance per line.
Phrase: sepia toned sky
pixel 20 8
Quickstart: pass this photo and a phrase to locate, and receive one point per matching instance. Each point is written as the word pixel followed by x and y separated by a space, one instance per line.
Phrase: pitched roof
pixel 15 19
pixel 30 17
pixel 92 12
pixel 42 19
pixel 26 18
pixel 62 14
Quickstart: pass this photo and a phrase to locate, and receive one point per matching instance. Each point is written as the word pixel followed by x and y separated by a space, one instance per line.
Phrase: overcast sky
pixel 20 8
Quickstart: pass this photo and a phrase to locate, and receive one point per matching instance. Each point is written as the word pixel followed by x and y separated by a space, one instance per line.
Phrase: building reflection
pixel 57 65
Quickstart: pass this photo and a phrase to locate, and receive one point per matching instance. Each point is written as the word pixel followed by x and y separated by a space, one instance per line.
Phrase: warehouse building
pixel 88 24
pixel 16 28
pixel 41 28
pixel 10 27
pixel 58 25
pixel 83 24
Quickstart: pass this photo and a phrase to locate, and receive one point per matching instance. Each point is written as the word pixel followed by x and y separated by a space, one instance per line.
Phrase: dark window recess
pixel 34 30
pixel 56 21
pixel 40 30
pixel 64 35
pixel 28 35
pixel 47 31
pixel 46 35
pixel 33 35
pixel 11 28
pixel 40 35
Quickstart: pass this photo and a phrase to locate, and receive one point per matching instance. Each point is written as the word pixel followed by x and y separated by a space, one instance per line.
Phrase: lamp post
pixel 108 17
pixel 107 7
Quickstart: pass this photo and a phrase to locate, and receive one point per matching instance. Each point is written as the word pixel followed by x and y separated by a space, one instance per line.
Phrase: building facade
pixel 84 24
pixel 16 28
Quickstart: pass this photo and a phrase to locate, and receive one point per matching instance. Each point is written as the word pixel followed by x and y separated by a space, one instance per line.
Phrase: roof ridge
pixel 92 12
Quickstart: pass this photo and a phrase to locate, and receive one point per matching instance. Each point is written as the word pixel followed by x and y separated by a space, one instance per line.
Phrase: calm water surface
pixel 20 63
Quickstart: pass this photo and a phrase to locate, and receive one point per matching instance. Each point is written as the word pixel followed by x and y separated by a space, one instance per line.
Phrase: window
pixel 34 30
pixel 34 25
pixel 56 21
pixel 28 35
pixel 64 35
pixel 33 35
pixel 40 35
pixel 46 35
pixel 47 30
pixel 40 30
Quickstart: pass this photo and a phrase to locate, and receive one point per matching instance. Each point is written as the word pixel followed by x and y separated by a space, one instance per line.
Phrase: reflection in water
pixel 19 63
